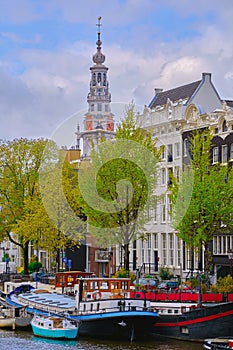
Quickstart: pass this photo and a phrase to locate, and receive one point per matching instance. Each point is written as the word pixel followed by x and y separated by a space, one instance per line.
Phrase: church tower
pixel 98 121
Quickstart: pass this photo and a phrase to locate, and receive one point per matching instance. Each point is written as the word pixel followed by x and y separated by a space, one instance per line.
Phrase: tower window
pixel 104 79
pixel 93 79
pixel 92 107
pixel 99 107
pixel 106 108
pixel 99 77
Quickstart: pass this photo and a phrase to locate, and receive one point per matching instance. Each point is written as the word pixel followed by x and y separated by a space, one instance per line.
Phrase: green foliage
pixel 123 273
pixel 164 273
pixel 202 202
pixel 25 208
pixel 34 266
pixel 33 258
pixel 223 285
pixel 118 184
pixel 6 256
pixel 193 282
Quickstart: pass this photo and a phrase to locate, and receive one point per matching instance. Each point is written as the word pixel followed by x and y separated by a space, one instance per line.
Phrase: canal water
pixel 17 340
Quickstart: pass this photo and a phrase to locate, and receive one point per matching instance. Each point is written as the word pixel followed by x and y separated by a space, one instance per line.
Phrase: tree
pixel 19 170
pixel 202 201
pixel 35 184
pixel 117 185
pixel 63 224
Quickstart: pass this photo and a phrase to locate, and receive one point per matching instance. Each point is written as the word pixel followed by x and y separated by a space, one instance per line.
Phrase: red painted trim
pixel 198 320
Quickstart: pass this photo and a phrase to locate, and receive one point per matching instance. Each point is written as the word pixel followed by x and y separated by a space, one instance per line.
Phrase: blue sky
pixel 46 49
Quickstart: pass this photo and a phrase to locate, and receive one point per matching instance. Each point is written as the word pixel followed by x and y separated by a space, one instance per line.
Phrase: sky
pixel 46 49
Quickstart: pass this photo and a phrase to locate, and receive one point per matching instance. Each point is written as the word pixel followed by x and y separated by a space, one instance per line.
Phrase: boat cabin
pixel 103 288
pixel 69 278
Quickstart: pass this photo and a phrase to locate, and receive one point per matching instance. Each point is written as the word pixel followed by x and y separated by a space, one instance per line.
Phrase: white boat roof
pixel 52 299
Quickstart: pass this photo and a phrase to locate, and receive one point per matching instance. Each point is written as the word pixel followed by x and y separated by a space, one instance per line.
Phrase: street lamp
pixel 230 257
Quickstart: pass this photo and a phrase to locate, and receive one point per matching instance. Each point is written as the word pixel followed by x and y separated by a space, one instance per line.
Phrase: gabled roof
pixel 181 92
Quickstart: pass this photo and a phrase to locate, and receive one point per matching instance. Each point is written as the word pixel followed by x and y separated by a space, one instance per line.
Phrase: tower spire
pixel 99 25
pixel 98 121
pixel 99 58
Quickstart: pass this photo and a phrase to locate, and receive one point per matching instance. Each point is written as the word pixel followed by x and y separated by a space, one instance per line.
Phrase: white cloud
pixel 54 84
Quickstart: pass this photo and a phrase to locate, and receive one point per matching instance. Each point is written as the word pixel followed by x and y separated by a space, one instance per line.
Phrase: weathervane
pixel 99 24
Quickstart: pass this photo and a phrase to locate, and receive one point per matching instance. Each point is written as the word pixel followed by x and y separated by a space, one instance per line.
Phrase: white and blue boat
pixel 102 308
pixel 53 327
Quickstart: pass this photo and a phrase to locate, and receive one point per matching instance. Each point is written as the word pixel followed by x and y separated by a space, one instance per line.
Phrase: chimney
pixel 157 91
pixel 206 76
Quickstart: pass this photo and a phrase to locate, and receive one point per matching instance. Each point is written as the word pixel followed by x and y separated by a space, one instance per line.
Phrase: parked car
pixel 149 283
pixel 42 277
pixel 168 285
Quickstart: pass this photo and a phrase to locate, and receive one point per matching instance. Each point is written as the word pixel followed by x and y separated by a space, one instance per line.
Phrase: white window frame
pixel 231 151
pixel 185 145
pixel 170 150
pixel 163 211
pixel 177 149
pixel 163 176
pixel 224 154
pixel 215 154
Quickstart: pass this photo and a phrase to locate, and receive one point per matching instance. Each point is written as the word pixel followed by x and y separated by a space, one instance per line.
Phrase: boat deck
pixel 46 301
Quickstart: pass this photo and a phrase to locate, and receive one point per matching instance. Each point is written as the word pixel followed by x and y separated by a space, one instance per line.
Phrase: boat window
pixel 125 285
pixel 94 285
pixel 84 307
pixel 104 285
pixel 98 306
pixel 91 307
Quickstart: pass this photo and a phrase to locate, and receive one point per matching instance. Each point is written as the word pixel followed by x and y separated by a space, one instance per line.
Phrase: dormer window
pixel 224 126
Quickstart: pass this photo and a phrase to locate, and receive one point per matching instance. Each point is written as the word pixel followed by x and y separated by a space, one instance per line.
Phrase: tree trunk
pixel 57 260
pixel 207 261
pixel 25 258
pixel 126 256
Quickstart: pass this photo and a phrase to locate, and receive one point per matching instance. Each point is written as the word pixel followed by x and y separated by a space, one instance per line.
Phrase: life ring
pixel 96 295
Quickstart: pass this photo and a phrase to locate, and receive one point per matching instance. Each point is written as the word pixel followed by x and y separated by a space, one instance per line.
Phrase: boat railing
pixel 122 306
pixel 115 309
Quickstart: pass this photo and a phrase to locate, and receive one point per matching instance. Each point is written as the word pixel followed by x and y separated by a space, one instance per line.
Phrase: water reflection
pixel 64 343
pixel 25 340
